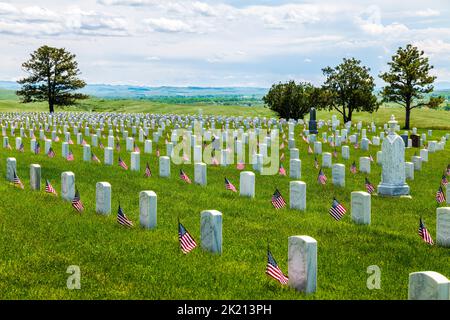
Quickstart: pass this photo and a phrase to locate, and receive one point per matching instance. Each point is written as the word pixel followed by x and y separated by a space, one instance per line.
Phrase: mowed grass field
pixel 420 118
pixel 41 235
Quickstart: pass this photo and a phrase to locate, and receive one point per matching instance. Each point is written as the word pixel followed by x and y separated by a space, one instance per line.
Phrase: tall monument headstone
pixel 393 180
pixel 312 121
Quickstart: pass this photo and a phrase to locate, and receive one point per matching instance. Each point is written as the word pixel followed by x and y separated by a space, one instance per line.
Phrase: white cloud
pixel 38 14
pixel 369 21
pixel 168 25
pixel 424 13
pixel 153 58
pixel 6 8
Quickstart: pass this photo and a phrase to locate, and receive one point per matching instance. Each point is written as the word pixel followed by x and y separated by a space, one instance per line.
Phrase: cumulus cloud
pixel 369 21
pixel 168 25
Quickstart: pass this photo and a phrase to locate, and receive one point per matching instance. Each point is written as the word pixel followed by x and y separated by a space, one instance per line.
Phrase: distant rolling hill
pixel 106 91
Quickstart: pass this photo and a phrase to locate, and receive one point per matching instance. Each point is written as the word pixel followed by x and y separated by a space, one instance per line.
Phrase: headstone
pixel 345 152
pixel 68 185
pixel 326 160
pixel 135 161
pixel 87 153
pixel 148 146
pixel 312 121
pixel 64 149
pixel 409 170
pixel 103 198
pixel 417 161
pixel 338 175
pixel 10 168
pixel 109 156
pixel 294 153
pixel 111 141
pixel 364 165
pixel 361 207
pixel 130 144
pixel 169 149
pixel 393 180
pixel 247 184
pixel 317 147
pixel 302 263
pixel 297 195
pixel 432 146
pixel 200 176
pixel 211 231
pixel 428 285
pixel 35 177
pixel 443 225
pixel 364 144
pixel 94 140
pixel 164 166
pixel 415 141
pixel 295 168
pixel 148 209
pixel 379 157
pixel 424 155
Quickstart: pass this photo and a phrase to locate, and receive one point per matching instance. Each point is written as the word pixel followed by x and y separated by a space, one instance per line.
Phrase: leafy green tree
pixel 52 77
pixel 348 88
pixel 290 100
pixel 408 80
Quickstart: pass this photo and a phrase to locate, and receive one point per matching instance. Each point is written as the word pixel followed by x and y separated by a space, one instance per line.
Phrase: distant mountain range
pixel 107 91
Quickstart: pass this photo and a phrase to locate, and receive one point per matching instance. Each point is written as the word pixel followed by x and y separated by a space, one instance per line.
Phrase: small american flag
pixel 240 165
pixel 277 200
pixel 282 157
pixel 51 153
pixel 185 157
pixel 70 156
pixel 316 163
pixel 8 146
pixel 444 180
pixel 100 144
pixel 229 185
pixel 322 178
pixel 136 148
pixel 332 144
pixel 353 168
pixel 184 176
pixel 337 210
pixel 157 152
pixel 118 147
pixel 83 143
pixel 282 145
pixel 214 161
pixel 56 139
pixel 440 197
pixel 272 269
pixel 21 147
pixel 49 188
pixel 122 164
pixel 282 171
pixel 305 139
pixel 94 158
pixel 423 233
pixel 122 219
pixel 370 157
pixel 310 151
pixel 369 187
pixel 148 172
pixel 187 243
pixel 448 170
pixel 76 202
pixel 356 145
pixel 335 154
pixel 37 148
pixel 70 141
pixel 16 181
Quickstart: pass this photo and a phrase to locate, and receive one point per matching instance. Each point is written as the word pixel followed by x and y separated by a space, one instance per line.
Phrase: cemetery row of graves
pixel 320 212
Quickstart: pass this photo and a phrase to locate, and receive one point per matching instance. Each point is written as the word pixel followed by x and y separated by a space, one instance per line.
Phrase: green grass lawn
pixel 41 235
pixel 420 118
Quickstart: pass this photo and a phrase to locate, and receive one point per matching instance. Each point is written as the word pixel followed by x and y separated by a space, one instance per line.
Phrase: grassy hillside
pixel 41 235
pixel 421 118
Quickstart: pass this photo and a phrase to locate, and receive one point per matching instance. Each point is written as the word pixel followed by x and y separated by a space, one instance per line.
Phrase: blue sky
pixel 222 43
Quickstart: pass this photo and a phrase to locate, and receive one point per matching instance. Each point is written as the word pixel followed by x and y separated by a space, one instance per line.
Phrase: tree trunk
pixel 349 118
pixel 408 114
pixel 51 107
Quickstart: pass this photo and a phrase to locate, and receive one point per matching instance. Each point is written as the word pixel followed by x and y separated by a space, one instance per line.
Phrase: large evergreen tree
pixel 408 80
pixel 52 77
